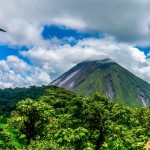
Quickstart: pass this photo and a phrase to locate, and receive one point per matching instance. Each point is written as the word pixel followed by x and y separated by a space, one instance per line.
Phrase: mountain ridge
pixel 107 77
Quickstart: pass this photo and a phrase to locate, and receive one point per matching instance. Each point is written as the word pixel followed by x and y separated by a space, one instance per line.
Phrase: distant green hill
pixel 10 97
pixel 107 77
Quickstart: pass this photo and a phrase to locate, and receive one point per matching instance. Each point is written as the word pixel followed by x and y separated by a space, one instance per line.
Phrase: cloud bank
pixel 126 20
pixel 49 63
pixel 14 72
pixel 60 58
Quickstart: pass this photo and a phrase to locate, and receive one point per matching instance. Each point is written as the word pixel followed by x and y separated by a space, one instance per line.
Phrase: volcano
pixel 107 77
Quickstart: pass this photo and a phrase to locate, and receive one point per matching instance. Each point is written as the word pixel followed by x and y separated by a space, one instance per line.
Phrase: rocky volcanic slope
pixel 107 77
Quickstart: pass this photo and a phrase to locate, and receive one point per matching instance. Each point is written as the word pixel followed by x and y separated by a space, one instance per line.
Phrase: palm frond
pixel 2 30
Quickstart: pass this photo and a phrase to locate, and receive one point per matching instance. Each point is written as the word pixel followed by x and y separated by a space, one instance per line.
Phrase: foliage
pixel 78 138
pixel 59 120
pixel 10 97
pixel 10 138
pixel 44 144
pixel 31 117
pixel 110 125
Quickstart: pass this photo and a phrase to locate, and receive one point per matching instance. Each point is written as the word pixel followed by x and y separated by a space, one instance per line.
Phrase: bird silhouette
pixel 2 30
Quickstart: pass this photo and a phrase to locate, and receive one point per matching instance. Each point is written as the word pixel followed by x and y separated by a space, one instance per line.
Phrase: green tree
pixel 60 120
pixel 10 138
pixel 77 138
pixel 31 117
pixel 110 125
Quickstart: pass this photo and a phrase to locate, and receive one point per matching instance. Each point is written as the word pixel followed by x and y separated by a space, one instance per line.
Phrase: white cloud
pixel 124 19
pixel 14 72
pixel 58 59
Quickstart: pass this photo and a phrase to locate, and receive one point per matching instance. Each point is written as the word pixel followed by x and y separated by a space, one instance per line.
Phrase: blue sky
pixel 5 51
pixel 62 32
pixel 145 49
pixel 59 32
pixel 52 36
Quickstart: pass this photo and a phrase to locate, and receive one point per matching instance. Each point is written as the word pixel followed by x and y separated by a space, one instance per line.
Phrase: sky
pixel 46 38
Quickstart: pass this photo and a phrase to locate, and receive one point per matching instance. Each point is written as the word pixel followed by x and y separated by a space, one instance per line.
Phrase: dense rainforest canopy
pixel 53 118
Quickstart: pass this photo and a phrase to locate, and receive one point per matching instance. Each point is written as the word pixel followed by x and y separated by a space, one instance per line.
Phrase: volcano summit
pixel 107 77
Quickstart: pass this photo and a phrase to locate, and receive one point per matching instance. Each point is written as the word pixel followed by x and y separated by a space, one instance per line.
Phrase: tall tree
pixel 31 117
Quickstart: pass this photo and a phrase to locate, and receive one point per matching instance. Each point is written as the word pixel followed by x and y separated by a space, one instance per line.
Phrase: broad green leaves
pixel 10 138
pixel 59 120
pixel 31 117
pixel 78 138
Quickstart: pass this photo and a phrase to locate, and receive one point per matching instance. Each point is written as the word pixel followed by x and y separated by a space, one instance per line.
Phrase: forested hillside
pixel 9 97
pixel 57 119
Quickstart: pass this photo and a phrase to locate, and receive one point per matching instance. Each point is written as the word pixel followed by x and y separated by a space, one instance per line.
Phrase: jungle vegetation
pixel 51 118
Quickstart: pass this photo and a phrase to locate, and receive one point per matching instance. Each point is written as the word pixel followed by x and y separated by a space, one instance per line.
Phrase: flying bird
pixel 2 30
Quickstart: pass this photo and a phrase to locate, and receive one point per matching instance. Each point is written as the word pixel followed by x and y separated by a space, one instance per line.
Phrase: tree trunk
pixel 101 137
